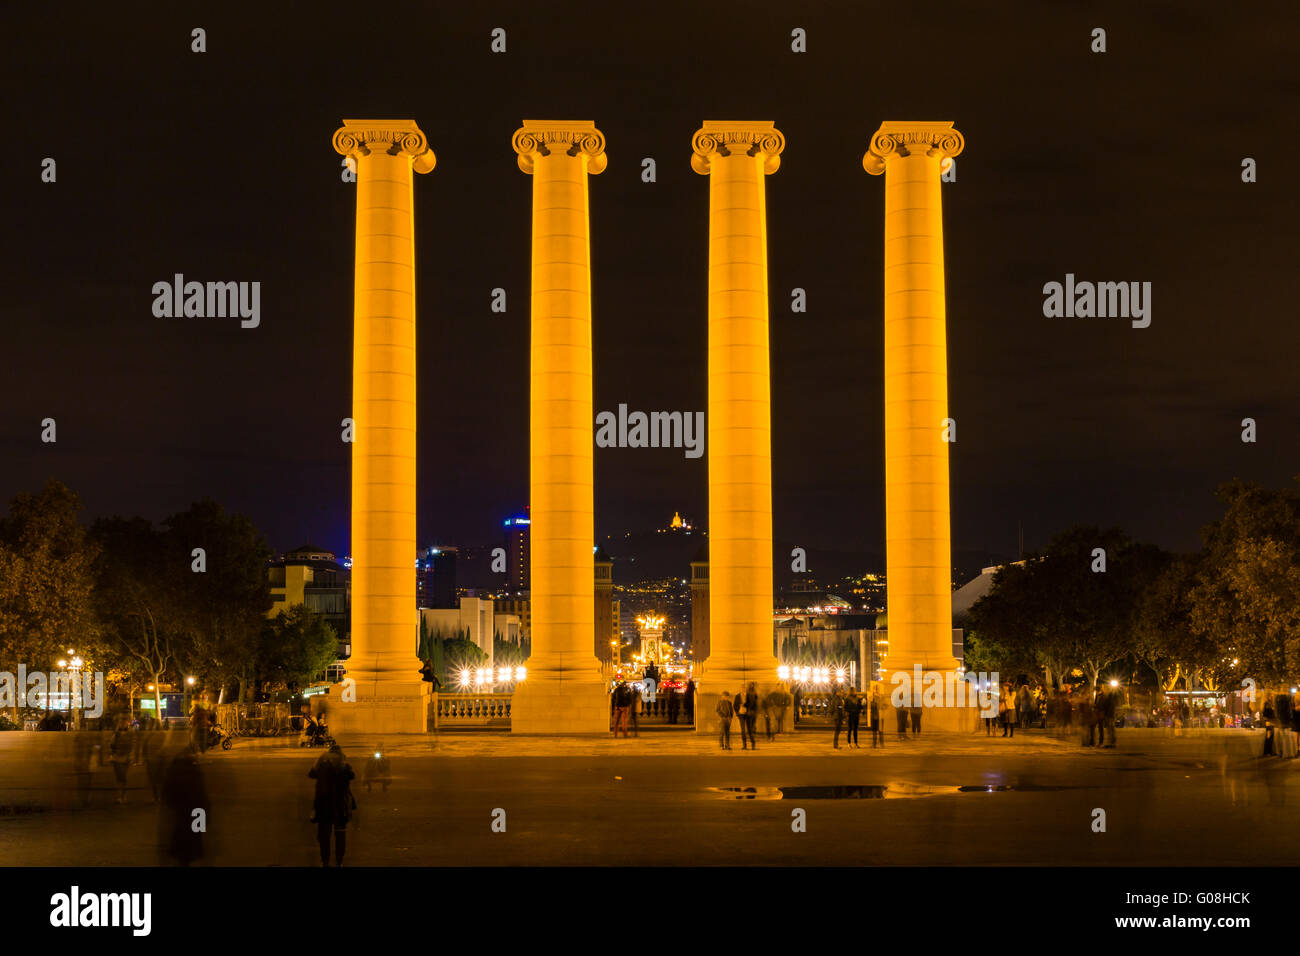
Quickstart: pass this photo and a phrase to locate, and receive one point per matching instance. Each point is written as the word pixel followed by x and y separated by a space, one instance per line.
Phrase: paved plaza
pixel 675 799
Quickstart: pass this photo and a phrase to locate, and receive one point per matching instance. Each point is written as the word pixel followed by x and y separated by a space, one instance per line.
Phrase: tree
pixel 1061 610
pixel 225 605
pixel 46 580
pixel 136 605
pixel 1244 599
pixel 297 644
pixel 1163 638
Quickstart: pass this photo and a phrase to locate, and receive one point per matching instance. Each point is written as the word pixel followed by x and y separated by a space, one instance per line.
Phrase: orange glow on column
pixel 384 622
pixel 918 547
pixel 565 690
pixel 736 156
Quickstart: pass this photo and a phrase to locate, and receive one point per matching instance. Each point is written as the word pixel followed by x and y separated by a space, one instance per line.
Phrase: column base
pixel 553 707
pixel 397 708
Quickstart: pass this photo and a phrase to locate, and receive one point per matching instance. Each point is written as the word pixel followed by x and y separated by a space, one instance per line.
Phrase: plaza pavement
pixel 674 799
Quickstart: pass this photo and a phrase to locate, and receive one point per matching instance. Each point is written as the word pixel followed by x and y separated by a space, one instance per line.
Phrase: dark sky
pixel 1119 166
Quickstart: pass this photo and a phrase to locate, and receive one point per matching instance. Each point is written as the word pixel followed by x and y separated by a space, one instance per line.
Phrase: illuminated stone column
pixel 565 691
pixel 736 156
pixel 390 696
pixel 918 545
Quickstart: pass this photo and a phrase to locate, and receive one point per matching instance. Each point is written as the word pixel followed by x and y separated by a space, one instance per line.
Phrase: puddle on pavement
pixel 894 790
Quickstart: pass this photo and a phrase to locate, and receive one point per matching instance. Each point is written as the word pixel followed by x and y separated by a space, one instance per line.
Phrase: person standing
pixel 725 710
pixel 120 751
pixel 900 713
pixel 333 802
pixel 690 701
pixel 915 713
pixel 853 711
pixel 837 714
pixel 674 705
pixel 873 715
pixel 797 695
pixel 1109 705
pixel 1006 715
pixel 183 792
pixel 200 720
pixel 749 716
pixel 622 699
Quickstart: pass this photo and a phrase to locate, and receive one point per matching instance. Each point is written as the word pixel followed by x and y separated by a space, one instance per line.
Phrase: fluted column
pixel 564 691
pixel 918 544
pixel 736 156
pixel 390 696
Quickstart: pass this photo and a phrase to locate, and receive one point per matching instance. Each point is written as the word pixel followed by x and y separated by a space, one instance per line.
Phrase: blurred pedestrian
pixel 749 716
pixel 378 769
pixel 182 818
pixel 333 803
pixel 725 709
pixel 120 751
pixel 622 700
pixel 853 714
pixel 873 716
pixel 838 713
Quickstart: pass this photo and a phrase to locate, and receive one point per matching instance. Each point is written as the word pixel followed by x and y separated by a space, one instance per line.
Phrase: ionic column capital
pixel 537 138
pixel 394 137
pixel 728 137
pixel 903 138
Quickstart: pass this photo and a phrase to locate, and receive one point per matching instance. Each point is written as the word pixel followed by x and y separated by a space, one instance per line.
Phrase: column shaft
pixel 383 693
pixel 918 562
pixel 739 423
pixel 561 442
pixel 384 617
pixel 565 691
pixel 918 545
pixel 737 156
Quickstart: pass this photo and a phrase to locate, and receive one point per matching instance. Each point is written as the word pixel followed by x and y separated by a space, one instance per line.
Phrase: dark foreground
pixel 1033 801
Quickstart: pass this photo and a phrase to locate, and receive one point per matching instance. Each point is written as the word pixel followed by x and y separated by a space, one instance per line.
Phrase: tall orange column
pixel 736 156
pixel 565 690
pixel 918 543
pixel 384 670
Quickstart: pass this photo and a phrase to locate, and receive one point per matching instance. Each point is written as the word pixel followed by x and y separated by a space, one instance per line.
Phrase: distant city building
pixel 520 608
pixel 606 622
pixel 517 553
pixel 312 576
pixel 435 578
pixel 474 618
pixel 700 603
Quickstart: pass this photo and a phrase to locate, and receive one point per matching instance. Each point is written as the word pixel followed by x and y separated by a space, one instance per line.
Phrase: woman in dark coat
pixel 333 804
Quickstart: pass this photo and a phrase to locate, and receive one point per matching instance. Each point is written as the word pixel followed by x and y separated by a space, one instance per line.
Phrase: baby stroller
pixel 314 734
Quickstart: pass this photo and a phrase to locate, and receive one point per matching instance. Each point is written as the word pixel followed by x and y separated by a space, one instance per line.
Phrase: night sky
pixel 1123 166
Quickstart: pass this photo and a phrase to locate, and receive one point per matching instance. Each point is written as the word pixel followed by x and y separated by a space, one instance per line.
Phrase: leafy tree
pixel 1163 638
pixel 297 644
pixel 1244 600
pixel 46 581
pixel 224 606
pixel 1061 612
pixel 135 600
